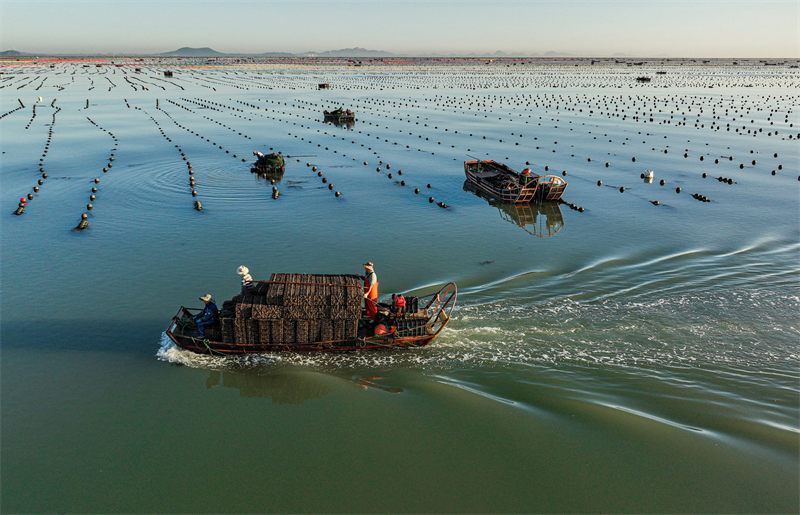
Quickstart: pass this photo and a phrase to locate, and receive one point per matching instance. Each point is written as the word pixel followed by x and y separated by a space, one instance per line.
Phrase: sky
pixel 590 28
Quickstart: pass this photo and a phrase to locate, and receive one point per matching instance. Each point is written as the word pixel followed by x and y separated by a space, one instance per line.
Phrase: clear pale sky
pixel 659 28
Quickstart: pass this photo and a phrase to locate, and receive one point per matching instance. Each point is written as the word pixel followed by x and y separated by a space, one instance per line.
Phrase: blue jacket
pixel 208 313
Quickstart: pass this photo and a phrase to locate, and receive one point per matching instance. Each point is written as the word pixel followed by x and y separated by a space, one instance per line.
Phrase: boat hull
pixel 502 183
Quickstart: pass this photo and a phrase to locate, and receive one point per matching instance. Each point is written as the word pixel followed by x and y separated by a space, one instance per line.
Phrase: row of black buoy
pixel 701 198
pixel 84 221
pixel 571 205
pixel 197 205
pixel 208 140
pixel 324 179
pixel 12 111
pixel 21 208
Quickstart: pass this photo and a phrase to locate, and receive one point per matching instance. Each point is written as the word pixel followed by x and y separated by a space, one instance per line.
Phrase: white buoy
pixel 40 99
pixel 648 174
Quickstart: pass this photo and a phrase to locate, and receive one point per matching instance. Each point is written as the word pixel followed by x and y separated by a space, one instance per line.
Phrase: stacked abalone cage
pixel 294 308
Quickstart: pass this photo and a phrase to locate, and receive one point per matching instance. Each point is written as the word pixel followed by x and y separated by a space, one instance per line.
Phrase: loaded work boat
pixel 268 164
pixel 303 312
pixel 339 115
pixel 507 185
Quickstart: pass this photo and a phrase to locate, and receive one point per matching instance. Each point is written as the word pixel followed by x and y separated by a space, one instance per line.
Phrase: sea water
pixel 640 355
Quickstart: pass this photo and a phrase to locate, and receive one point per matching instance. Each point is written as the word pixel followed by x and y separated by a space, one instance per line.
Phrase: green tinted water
pixel 632 357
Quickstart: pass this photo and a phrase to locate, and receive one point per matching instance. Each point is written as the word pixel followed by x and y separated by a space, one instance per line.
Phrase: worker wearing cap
pixel 371 290
pixel 208 316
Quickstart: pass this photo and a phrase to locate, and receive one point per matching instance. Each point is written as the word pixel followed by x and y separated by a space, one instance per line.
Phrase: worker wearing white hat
pixel 208 316
pixel 247 279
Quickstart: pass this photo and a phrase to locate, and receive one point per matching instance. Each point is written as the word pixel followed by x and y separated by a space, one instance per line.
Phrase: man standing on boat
pixel 208 316
pixel 247 279
pixel 371 290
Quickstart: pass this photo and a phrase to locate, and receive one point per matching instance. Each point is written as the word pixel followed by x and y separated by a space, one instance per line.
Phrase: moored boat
pixel 269 164
pixel 507 185
pixel 306 313
pixel 339 115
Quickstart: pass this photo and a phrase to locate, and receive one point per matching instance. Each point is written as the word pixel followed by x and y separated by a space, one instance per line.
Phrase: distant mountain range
pixel 344 52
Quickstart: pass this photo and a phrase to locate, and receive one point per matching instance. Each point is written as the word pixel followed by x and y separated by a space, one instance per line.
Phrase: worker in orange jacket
pixel 370 290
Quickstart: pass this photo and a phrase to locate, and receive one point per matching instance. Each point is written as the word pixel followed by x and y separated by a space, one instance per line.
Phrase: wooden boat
pixel 502 183
pixel 339 115
pixel 269 164
pixel 309 313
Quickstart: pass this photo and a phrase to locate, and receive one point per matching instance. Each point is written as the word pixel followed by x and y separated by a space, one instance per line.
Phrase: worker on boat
pixel 247 279
pixel 398 304
pixel 258 154
pixel 371 290
pixel 208 316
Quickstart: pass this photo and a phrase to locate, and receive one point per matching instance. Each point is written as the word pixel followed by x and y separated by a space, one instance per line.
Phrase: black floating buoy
pixel 194 193
pixel 96 181
pixel 40 182
pixel 599 183
pixel 92 197
pixel 428 185
pixel 443 205
pixel 36 189
pixel 662 182
pixel 416 190
pixel 30 196
pixel 622 189
pixel 89 206
pixel 655 202
pixel 705 175
pixel 338 194
pixel 678 189
pixel 430 199
pixel 83 224
pixel 330 187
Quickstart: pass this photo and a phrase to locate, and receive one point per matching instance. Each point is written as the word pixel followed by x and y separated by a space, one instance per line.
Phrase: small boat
pixel 269 164
pixel 309 313
pixel 507 185
pixel 339 115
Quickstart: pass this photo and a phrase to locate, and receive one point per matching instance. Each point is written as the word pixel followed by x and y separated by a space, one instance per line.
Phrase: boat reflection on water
pixel 347 124
pixel 289 387
pixel 275 175
pixel 543 220
pixel 282 387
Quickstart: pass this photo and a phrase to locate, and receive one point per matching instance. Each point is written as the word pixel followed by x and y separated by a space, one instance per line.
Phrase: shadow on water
pixel 543 220
pixel 288 386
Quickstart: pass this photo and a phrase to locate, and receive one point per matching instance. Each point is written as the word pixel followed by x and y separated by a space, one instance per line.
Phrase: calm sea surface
pixel 639 356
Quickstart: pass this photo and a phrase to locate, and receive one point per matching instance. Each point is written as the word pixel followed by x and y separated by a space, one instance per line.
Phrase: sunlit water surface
pixel 630 357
